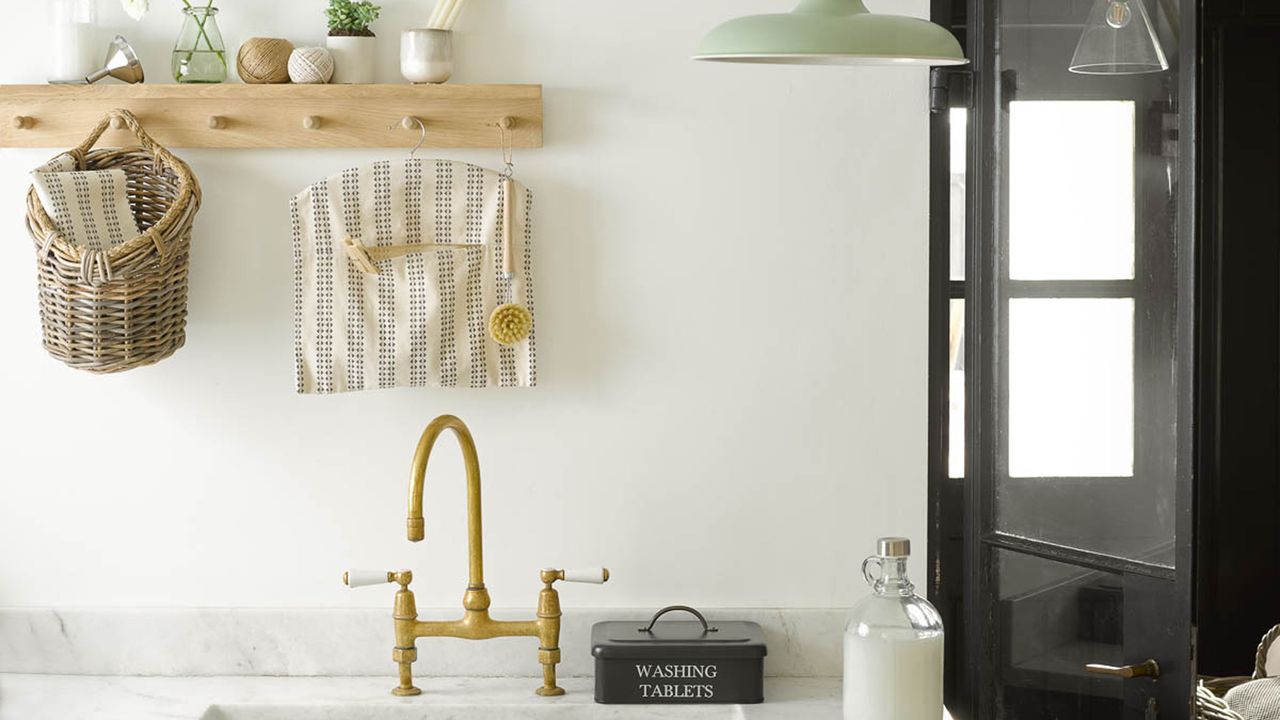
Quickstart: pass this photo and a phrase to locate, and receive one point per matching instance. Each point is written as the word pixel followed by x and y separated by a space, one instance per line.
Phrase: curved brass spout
pixel 475 623
pixel 475 551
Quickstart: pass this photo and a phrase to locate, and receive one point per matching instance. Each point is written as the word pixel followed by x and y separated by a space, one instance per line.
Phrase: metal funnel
pixel 122 64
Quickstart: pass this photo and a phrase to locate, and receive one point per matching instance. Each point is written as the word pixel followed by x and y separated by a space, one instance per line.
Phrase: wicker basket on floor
pixel 1209 706
pixel 117 309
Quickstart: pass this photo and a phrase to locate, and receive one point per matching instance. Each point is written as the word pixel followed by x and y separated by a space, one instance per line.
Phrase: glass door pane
pixel 1085 230
pixel 955 368
pixel 1070 387
pixel 1071 191
pixel 1053 620
pixel 959 121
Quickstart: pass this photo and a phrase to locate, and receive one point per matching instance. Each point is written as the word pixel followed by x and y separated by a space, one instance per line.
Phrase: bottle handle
pixel 866 572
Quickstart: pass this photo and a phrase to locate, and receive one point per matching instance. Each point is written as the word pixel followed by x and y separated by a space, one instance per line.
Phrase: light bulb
pixel 1119 14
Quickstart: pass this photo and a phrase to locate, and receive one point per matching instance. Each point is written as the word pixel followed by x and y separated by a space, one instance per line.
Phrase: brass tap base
pixel 550 692
pixel 406 692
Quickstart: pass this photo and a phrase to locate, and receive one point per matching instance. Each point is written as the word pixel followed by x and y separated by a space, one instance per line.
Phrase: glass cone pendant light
pixel 1118 39
pixel 831 32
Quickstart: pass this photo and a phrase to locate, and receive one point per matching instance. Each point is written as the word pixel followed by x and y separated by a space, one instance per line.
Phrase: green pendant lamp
pixel 831 32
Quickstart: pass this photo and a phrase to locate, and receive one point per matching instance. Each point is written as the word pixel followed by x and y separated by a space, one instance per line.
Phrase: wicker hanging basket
pixel 1209 706
pixel 124 307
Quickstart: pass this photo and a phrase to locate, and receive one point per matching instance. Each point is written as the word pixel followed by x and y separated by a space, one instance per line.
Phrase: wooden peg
pixel 217 122
pixel 409 122
pixel 23 122
pixel 311 122
pixel 117 123
pixel 507 122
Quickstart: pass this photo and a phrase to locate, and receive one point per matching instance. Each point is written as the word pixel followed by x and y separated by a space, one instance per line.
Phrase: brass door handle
pixel 1147 668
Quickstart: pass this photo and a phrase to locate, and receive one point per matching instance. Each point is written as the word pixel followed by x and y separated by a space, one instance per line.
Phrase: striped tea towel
pixel 422 319
pixel 89 207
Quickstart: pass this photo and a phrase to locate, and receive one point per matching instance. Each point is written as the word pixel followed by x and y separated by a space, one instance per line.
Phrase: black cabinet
pixel 1238 513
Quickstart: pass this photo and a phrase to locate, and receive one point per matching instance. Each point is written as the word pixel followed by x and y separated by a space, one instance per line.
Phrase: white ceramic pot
pixel 426 55
pixel 354 58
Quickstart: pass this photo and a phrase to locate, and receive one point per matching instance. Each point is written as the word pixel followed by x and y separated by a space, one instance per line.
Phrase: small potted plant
pixel 351 42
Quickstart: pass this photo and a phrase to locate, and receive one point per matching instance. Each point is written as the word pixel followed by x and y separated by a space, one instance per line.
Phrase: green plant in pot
pixel 351 42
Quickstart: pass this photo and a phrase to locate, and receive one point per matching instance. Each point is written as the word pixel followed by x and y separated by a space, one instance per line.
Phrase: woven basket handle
pixel 164 159
pixel 130 121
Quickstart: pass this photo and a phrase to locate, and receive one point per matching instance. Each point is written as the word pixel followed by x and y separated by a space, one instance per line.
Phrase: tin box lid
pixel 677 639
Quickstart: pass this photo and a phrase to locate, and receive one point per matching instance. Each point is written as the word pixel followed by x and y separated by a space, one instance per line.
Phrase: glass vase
pixel 200 56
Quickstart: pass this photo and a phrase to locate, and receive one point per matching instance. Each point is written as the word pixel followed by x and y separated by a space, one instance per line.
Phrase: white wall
pixel 732 294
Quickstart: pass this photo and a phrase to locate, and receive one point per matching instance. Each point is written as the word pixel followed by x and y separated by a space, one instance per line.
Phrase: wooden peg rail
pixel 275 116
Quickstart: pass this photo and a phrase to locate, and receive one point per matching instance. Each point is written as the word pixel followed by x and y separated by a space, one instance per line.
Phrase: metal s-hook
pixel 504 141
pixel 508 190
pixel 407 122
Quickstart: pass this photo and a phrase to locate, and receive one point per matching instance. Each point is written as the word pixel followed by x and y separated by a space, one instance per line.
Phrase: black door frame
pixel 1238 513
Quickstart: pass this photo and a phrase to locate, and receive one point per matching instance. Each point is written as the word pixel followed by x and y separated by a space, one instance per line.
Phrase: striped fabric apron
pixel 422 319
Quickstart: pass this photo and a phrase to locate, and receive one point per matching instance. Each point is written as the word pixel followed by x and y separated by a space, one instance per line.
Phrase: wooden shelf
pixel 273 116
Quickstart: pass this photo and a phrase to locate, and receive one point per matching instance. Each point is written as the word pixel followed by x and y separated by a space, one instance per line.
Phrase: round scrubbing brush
pixel 510 323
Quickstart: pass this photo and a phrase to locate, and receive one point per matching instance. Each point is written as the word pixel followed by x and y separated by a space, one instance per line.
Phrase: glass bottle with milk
pixel 74 50
pixel 892 644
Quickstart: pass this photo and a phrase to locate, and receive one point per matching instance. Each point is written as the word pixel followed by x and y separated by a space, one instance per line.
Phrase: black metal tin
pixel 678 662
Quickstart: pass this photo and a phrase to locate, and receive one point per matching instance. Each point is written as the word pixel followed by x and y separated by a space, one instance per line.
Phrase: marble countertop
pixel 83 697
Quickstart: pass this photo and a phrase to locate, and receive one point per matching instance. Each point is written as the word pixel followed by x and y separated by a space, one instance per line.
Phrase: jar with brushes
pixel 426 53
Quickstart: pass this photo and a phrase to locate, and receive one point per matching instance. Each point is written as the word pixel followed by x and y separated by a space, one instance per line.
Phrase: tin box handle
pixel 685 608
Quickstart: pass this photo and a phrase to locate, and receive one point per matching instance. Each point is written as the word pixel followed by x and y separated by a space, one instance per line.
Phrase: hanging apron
pixel 420 319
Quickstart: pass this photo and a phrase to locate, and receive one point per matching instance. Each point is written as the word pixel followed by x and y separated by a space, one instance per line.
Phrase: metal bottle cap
pixel 893 547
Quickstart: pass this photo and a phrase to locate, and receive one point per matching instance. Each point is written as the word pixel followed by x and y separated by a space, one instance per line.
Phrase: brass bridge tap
pixel 475 623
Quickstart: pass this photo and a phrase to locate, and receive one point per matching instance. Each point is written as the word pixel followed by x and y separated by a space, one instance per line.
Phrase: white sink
pixel 411 711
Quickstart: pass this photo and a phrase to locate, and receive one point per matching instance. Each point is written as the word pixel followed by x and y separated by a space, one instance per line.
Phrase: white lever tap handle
pixel 587 575
pixel 361 578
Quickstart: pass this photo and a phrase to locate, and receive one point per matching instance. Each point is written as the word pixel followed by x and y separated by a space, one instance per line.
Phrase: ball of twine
pixel 264 60
pixel 310 65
